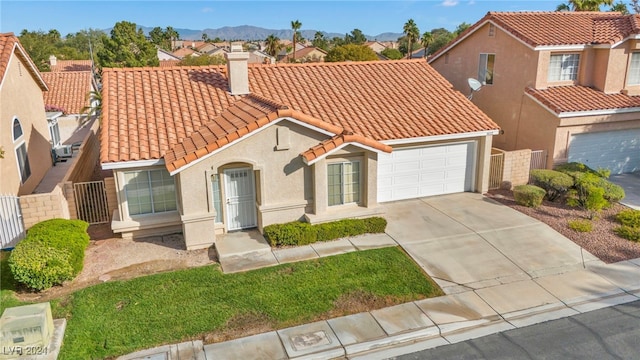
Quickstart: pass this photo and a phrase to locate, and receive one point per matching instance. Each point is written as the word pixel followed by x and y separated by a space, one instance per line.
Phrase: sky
pixel 370 16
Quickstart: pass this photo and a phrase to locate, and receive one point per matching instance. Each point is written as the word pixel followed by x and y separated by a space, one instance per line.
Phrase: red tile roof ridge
pixel 337 63
pixel 339 139
pixel 162 68
pixel 268 101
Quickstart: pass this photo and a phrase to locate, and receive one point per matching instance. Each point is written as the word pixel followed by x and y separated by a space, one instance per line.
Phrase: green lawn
pixel 119 317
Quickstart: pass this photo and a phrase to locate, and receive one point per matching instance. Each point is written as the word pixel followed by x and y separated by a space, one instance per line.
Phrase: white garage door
pixel 618 151
pixel 426 171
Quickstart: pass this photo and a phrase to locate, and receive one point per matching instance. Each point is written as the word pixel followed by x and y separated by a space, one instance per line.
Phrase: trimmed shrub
pixel 628 232
pixel 62 234
pixel 293 233
pixel 612 192
pixel 555 183
pixel 629 217
pixel 581 225
pixel 375 225
pixel 575 168
pixel 52 252
pixel 39 266
pixel 301 233
pixel 528 195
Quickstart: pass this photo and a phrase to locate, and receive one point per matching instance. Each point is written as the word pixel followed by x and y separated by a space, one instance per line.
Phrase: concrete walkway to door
pixel 468 242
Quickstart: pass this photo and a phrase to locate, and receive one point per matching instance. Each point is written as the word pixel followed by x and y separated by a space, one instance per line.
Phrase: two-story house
pixel 24 132
pixel 565 82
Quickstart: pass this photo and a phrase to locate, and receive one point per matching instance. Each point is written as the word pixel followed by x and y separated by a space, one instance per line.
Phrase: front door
pixel 241 199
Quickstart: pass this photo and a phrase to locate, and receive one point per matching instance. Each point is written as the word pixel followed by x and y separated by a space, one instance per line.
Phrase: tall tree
pixel 411 32
pixel 461 28
pixel 202 60
pixel 351 52
pixel 620 7
pixel 273 45
pixel 426 40
pixel 320 41
pixel 355 37
pixel 127 47
pixel 584 5
pixel 172 35
pixel 295 26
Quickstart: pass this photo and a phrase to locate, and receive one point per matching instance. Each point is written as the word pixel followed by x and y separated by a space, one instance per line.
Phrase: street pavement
pixel 610 333
pixel 500 270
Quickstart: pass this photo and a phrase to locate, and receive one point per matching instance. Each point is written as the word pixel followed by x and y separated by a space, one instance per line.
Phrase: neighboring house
pixel 418 53
pixel 69 65
pixel 260 57
pixel 565 82
pixel 376 46
pixel 308 54
pixel 24 134
pixel 214 149
pixel 184 52
pixel 206 48
pixel 164 55
pixel 70 91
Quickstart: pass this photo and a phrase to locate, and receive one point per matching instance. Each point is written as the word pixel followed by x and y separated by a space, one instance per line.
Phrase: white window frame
pixel 216 188
pixel 485 74
pixel 153 203
pixel 568 69
pixel 54 132
pixel 633 74
pixel 343 188
pixel 20 146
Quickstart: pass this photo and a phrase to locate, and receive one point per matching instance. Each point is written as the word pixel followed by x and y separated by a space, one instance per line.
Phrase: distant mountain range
pixel 250 33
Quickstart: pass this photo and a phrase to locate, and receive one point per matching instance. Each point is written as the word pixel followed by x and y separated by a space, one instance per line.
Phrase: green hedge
pixel 555 183
pixel 528 195
pixel 62 244
pixel 39 266
pixel 301 233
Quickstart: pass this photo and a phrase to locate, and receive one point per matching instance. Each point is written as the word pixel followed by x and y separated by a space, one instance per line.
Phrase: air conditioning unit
pixel 63 151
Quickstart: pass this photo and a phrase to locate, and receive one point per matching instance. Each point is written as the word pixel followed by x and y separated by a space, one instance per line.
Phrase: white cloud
pixel 472 2
pixel 207 10
pixel 450 3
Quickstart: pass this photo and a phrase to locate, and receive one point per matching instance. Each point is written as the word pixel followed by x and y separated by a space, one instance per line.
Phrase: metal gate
pixel 538 159
pixel 495 171
pixel 12 230
pixel 91 202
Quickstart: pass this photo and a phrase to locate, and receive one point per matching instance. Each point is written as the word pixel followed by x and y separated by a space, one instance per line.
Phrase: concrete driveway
pixel 631 185
pixel 467 241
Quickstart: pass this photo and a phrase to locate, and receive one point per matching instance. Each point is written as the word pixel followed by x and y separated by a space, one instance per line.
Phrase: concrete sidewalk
pixel 499 268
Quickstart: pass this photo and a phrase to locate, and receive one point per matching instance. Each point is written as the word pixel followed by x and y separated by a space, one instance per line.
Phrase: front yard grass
pixel 119 317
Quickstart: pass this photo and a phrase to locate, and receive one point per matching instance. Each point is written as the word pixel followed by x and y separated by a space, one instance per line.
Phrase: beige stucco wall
pixel 284 181
pixel 514 70
pixel 21 97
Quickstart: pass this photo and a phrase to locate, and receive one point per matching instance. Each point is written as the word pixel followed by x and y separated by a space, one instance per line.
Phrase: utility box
pixel 25 328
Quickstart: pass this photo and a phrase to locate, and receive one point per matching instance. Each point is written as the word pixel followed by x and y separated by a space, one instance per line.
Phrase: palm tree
pixel 272 45
pixel 412 33
pixel 295 26
pixel 426 41
pixel 95 104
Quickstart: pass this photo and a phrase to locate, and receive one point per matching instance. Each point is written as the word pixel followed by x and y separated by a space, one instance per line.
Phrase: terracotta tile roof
pixel 168 63
pixel 335 142
pixel 9 42
pixel 68 90
pixel 582 98
pixel 148 112
pixel 539 28
pixel 306 51
pixel 566 27
pixel 182 52
pixel 71 65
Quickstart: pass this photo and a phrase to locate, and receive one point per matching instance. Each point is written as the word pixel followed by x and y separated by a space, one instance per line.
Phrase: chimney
pixel 53 60
pixel 237 70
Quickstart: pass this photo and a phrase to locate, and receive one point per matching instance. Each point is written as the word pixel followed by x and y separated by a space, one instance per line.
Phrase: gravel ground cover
pixel 601 241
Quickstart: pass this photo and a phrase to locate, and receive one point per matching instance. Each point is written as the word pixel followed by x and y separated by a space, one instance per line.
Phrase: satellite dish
pixel 475 85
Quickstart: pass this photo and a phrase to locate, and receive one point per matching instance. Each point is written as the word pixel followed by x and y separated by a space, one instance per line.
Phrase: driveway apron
pixel 467 241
